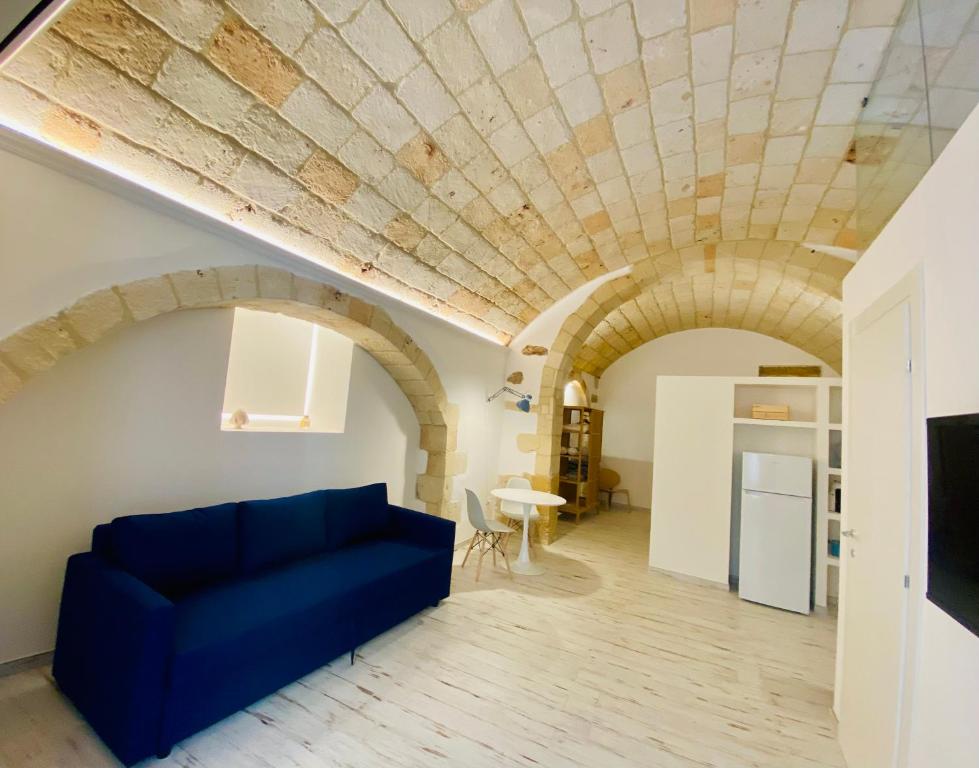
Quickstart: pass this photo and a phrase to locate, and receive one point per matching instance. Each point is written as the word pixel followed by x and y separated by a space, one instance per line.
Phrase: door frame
pixel 910 289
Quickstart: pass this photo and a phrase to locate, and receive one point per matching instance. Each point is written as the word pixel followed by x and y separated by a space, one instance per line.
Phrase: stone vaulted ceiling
pixel 482 159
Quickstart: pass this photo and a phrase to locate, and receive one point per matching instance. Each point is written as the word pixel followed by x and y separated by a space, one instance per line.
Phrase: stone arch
pixel 778 273
pixel 41 345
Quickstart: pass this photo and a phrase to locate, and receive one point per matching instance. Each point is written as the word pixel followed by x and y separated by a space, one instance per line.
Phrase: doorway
pixel 882 509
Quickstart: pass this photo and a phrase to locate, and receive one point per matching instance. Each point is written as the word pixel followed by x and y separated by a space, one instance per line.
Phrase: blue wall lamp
pixel 523 403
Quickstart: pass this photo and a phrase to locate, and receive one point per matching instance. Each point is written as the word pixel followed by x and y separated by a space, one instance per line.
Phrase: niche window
pixel 285 375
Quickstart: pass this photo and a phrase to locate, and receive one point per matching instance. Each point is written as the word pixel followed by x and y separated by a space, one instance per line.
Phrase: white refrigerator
pixel 776 530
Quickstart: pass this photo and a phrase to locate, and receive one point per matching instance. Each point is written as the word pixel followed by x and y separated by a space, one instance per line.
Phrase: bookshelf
pixel 581 455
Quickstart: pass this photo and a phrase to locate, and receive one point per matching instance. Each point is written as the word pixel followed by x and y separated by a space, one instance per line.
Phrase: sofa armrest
pixel 115 640
pixel 422 529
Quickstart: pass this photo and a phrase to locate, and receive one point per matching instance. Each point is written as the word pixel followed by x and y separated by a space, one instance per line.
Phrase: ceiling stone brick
pixel 482 158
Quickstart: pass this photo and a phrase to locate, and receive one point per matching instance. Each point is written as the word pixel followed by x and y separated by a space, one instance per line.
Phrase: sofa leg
pixel 436 604
pixel 162 753
pixel 352 652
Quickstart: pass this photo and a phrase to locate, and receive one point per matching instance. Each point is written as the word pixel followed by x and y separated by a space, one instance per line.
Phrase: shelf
pixel 777 423
pixel 834 516
pixel 832 562
pixel 835 471
pixel 838 427
pixel 575 480
pixel 575 428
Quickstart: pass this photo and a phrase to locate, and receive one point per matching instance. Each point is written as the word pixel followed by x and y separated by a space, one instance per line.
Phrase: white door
pixel 878 514
pixel 776 548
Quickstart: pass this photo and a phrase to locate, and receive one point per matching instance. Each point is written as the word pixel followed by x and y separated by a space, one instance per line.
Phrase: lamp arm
pixel 509 390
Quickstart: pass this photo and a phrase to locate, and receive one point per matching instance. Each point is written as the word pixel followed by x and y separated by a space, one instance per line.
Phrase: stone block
pixel 495 21
pixel 385 119
pixel 95 315
pixel 334 67
pixel 310 293
pixel 238 283
pixel 274 283
pixel 70 129
pixel 262 130
pixel 379 40
pixel 431 488
pixel 311 111
pixel 455 56
pixel 149 298
pixel 25 354
pixel 10 382
pixel 111 31
pixel 434 439
pixel 424 159
pixel 328 178
pixel 251 61
pixel 360 311
pixel 287 23
pixel 201 90
pixel 50 334
pixel 527 442
pixel 192 22
pixel 196 287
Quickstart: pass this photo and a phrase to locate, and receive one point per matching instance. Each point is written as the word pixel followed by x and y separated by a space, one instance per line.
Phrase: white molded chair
pixel 489 536
pixel 513 511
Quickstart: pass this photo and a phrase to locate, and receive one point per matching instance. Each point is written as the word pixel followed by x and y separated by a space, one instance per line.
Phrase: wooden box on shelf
pixel 780 412
pixel 581 452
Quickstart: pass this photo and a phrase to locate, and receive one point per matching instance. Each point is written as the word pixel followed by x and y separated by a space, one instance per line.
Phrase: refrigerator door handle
pixel 775 493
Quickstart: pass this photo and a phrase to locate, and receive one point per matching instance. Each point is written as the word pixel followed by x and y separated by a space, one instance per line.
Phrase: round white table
pixel 528 498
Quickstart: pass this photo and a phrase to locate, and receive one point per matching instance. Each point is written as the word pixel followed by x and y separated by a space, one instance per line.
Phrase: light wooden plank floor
pixel 597 663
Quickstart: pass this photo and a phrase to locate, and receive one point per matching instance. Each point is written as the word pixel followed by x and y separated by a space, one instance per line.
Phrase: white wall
pixel 690 527
pixel 67 230
pixel 938 229
pixel 131 425
pixel 627 391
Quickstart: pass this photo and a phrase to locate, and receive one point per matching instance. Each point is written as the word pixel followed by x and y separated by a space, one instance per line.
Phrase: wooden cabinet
pixel 581 456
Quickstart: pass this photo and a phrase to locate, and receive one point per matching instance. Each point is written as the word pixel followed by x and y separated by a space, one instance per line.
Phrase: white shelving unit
pixel 815 405
pixel 829 523
pixel 703 426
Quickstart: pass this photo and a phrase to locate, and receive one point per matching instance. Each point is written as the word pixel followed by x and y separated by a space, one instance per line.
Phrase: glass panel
pixel 928 84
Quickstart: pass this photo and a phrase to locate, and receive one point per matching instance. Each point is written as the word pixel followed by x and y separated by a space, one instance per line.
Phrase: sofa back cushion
pixel 178 552
pixel 277 531
pixel 355 514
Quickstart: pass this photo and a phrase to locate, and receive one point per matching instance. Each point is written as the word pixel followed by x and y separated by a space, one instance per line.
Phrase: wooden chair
pixel 608 482
pixel 490 536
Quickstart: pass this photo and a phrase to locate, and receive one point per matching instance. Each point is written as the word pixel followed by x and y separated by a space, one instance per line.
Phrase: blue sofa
pixel 175 621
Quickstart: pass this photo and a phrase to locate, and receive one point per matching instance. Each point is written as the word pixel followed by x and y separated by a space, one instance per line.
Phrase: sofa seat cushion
pixel 177 552
pixel 243 620
pixel 278 531
pixel 238 643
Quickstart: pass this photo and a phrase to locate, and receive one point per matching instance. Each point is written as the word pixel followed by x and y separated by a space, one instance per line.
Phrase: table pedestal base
pixel 527 569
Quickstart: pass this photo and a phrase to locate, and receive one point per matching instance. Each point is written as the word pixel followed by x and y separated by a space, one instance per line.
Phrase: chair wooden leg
pixel 506 560
pixel 628 501
pixel 472 543
pixel 496 538
pixel 482 554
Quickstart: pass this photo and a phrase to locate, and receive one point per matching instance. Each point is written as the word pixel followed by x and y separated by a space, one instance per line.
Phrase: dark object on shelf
pixel 953 517
pixel 834 547
pixel 813 371
pixel 837 499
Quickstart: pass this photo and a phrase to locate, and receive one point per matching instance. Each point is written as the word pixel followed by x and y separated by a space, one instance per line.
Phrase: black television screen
pixel 953 517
